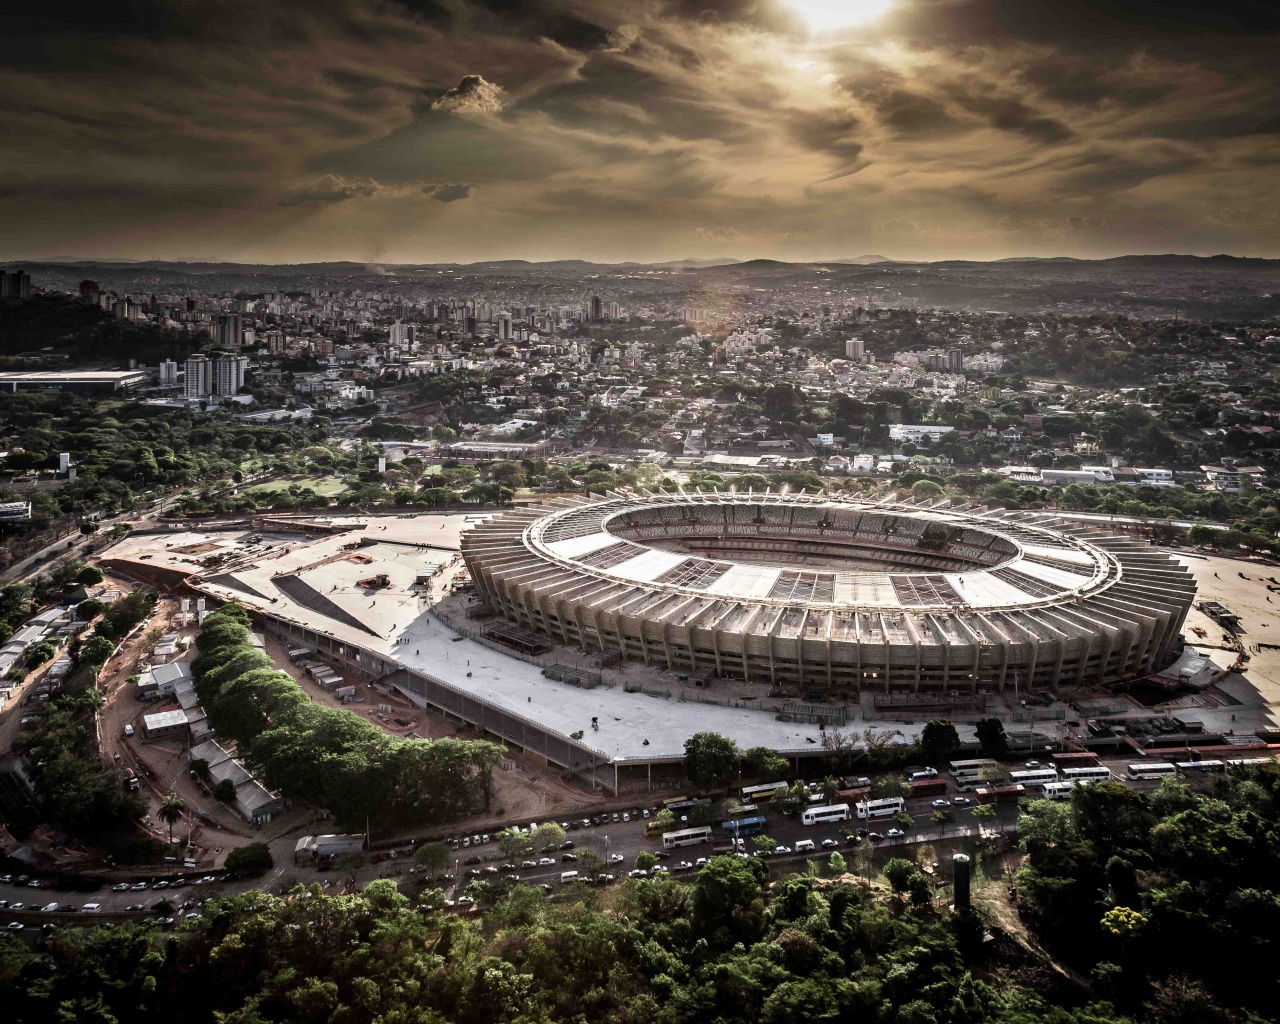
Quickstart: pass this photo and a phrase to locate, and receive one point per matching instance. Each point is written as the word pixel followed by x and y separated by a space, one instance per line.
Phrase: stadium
pixel 826 596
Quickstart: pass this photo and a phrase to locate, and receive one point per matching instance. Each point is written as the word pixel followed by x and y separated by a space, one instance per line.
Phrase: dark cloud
pixel 332 188
pixel 450 192
pixel 972 125
pixel 830 132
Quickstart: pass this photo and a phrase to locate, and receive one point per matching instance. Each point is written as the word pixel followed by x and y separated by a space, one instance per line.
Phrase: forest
pixel 1132 908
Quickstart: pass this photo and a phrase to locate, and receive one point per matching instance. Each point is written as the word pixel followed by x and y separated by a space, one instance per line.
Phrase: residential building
pixel 199 377
pixel 229 374
pixel 168 373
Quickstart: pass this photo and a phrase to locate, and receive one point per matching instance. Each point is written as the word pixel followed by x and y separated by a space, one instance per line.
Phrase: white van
pixel 803 845
pixel 92 908
pixel 568 876
pixel 128 729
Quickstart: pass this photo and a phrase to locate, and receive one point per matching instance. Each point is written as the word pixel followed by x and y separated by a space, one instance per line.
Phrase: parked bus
pixel 686 837
pixel 1156 770
pixel 684 805
pixel 1001 794
pixel 743 827
pixel 832 812
pixel 882 808
pixel 1059 790
pixel 1249 762
pixel 1033 777
pixel 1098 773
pixel 929 787
pixel 1201 766
pixel 1075 759
pixel 652 828
pixel 765 791
pixel 971 769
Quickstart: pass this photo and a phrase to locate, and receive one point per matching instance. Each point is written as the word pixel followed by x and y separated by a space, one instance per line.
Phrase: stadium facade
pixel 828 596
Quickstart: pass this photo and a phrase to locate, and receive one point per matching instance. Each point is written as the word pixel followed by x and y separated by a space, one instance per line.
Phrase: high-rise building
pixel 228 330
pixel 615 311
pixel 90 290
pixel 504 326
pixel 403 336
pixel 597 308
pixel 228 374
pixel 855 349
pixel 955 360
pixel 15 285
pixel 198 380
pixel 168 373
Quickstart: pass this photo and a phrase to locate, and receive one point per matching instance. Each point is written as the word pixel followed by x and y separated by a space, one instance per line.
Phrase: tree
pixel 432 856
pixel 547 834
pixel 225 791
pixel 889 786
pixel 984 812
pixel 253 859
pixel 836 864
pixel 898 872
pixel 710 759
pixel 645 860
pixel 765 844
pixel 665 820
pixel 511 841
pixel 766 764
pixel 727 905
pixel 90 576
pixel 170 812
pixel 991 734
pixel 938 741
pixel 94 652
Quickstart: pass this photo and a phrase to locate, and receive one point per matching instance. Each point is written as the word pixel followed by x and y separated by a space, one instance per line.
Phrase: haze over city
pixel 635 130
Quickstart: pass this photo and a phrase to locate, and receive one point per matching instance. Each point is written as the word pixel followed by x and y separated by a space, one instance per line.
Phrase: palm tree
pixel 171 808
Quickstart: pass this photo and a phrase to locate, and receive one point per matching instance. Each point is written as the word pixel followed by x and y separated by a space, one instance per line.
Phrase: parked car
pixel 121 887
pixel 830 844
pixel 616 858
pixel 895 833
pixel 941 803
pixel 962 801
pixel 546 862
pixel 684 865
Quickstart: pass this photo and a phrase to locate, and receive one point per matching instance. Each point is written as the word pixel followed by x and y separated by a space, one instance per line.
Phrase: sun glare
pixel 837 14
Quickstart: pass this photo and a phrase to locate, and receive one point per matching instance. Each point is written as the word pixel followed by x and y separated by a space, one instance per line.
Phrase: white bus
pixel 832 812
pixel 961 770
pixel 1058 790
pixel 1033 777
pixel 1248 762
pixel 1160 770
pixel 1095 773
pixel 884 808
pixel 1201 766
pixel 686 837
pixel 765 791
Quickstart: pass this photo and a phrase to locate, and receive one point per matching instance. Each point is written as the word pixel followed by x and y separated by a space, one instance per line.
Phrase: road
pixel 626 839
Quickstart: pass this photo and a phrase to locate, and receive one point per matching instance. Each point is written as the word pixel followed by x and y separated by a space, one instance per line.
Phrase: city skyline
pixel 636 131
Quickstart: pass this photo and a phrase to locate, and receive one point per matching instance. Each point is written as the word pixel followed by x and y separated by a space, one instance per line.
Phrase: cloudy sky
pixel 463 130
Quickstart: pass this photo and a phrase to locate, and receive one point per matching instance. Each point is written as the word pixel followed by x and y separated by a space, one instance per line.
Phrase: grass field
pixel 327 486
